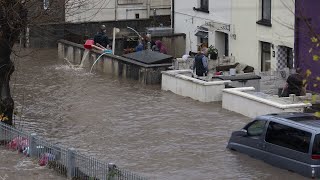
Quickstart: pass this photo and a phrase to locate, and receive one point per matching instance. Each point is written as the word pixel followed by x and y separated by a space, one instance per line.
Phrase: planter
pixel 214 56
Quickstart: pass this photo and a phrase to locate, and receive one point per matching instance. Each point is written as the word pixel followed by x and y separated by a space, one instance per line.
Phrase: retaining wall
pixel 238 100
pixel 112 64
pixel 177 82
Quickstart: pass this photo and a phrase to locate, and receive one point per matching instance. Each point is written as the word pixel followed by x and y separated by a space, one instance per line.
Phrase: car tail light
pixel 315 156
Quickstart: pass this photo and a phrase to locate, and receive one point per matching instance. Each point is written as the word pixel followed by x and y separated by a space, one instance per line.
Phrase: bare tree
pixel 15 17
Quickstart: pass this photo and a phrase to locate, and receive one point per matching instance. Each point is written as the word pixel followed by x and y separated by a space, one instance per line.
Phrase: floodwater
pixel 14 166
pixel 154 133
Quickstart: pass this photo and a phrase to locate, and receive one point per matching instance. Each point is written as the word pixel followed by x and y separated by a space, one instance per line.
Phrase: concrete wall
pixel 187 19
pixel 111 64
pixel 237 100
pixel 113 10
pixel 177 82
pixel 246 47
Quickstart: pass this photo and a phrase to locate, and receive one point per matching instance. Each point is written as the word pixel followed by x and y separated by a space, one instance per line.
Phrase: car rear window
pixel 316 145
pixel 288 137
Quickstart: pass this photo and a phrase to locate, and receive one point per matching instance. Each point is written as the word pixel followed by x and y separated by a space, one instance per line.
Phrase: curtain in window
pixel 205 4
pixel 266 9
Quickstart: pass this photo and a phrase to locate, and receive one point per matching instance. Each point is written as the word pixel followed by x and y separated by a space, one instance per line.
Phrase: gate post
pixel 33 145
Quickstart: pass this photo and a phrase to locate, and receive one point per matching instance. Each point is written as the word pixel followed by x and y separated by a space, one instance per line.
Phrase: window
pixel 256 128
pixel 202 35
pixel 265 56
pixel 265 13
pixel 203 6
pixel 45 4
pixel 290 58
pixel 316 145
pixel 137 16
pixel 288 137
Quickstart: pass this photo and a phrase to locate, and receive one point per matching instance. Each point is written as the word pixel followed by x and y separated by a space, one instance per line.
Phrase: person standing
pixel 294 85
pixel 101 39
pixel 140 46
pixel 149 43
pixel 160 47
pixel 201 63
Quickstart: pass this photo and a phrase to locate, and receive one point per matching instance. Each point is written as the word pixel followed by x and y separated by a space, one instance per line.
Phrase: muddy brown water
pixel 154 133
pixel 14 166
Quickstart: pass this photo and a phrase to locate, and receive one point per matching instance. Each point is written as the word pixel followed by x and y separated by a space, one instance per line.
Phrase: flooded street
pixel 154 133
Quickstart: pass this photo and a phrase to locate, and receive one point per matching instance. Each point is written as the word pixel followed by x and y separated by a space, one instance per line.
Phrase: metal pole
pixel 115 31
pixel 114 40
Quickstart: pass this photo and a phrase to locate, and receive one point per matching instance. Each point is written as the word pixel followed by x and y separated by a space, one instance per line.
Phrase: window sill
pixel 201 10
pixel 264 22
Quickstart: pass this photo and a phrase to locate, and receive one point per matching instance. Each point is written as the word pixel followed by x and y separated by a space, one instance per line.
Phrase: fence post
pixel 70 162
pixel 33 145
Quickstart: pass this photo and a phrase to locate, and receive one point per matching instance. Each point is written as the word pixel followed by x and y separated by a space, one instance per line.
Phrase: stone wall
pixel 47 35
pixel 271 81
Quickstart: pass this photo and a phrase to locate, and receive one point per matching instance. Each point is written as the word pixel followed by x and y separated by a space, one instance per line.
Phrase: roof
pixel 149 57
pixel 305 120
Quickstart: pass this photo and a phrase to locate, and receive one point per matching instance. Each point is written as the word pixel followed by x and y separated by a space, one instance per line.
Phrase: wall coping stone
pixel 177 74
pixel 241 92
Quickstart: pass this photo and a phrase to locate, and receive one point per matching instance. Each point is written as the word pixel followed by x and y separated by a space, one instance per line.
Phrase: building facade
pixel 307 39
pixel 263 32
pixel 114 10
pixel 203 21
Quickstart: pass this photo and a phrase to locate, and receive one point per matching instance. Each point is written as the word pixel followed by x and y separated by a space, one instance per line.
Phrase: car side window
pixel 256 128
pixel 288 137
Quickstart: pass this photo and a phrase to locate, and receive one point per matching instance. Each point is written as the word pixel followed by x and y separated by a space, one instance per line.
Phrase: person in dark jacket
pixel 294 85
pixel 201 63
pixel 101 38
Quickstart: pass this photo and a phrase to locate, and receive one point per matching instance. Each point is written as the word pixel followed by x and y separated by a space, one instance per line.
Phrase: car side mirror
pixel 243 132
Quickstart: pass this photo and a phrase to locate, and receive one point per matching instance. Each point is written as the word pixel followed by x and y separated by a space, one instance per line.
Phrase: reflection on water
pixel 140 128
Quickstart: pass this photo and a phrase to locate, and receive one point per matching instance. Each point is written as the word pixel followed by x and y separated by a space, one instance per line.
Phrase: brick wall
pixel 47 35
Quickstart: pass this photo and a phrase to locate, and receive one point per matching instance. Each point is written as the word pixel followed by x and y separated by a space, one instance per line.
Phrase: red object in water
pixel 88 44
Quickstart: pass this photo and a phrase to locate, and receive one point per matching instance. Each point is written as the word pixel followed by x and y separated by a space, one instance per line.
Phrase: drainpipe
pixel 148 8
pixel 172 15
pixel 115 10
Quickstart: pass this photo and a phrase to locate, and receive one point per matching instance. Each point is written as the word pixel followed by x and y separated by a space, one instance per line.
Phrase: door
pixel 226 44
pixel 252 141
pixel 288 147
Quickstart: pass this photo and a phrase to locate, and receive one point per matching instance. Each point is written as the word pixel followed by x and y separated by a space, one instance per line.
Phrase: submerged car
pixel 287 140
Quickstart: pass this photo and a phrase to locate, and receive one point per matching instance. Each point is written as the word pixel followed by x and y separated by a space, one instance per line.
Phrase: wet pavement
pixel 154 133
